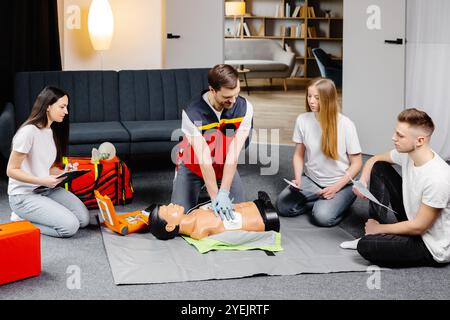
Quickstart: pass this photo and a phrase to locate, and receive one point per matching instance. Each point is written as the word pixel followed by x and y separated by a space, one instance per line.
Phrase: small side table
pixel 244 72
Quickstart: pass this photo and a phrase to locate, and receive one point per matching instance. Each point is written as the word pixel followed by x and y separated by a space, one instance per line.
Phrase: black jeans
pixel 386 249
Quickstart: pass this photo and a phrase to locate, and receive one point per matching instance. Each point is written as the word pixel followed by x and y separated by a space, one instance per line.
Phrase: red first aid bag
pixel 109 177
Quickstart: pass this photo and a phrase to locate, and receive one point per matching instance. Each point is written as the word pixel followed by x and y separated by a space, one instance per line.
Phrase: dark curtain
pixel 30 41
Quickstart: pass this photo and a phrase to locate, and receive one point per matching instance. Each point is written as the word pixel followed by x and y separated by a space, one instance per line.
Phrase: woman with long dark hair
pixel 36 160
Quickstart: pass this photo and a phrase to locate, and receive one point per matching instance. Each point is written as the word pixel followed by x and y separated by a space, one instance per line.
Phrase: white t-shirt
pixel 428 184
pixel 190 129
pixel 40 148
pixel 318 167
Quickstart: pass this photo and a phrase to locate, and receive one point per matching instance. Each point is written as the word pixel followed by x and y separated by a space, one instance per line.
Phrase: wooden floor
pixel 275 110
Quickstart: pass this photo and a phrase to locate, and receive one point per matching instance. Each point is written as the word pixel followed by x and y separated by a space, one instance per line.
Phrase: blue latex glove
pixel 222 205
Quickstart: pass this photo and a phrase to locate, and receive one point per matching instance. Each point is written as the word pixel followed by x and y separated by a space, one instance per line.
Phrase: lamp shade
pixel 100 24
pixel 234 8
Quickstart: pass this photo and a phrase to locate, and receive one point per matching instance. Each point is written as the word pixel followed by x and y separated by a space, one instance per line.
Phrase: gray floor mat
pixel 141 258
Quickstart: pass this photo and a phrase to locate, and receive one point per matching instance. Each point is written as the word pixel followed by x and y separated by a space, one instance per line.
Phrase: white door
pixel 194 33
pixel 374 69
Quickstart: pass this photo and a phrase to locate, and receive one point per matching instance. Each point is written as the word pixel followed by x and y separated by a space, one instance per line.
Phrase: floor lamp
pixel 100 26
pixel 235 9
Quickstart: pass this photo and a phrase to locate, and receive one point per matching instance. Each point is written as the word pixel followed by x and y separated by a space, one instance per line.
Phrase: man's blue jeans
pixel 187 186
pixel 325 213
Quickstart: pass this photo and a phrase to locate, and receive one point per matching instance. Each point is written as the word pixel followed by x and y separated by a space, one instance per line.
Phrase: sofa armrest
pixel 7 124
pixel 288 58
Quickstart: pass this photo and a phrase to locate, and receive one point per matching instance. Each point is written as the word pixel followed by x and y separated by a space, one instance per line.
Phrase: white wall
pixel 428 66
pixel 138 41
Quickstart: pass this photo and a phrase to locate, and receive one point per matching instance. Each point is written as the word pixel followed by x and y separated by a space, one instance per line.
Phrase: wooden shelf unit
pixel 327 31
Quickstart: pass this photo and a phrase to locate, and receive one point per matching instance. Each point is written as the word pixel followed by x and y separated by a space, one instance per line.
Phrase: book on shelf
pixel 312 33
pixel 280 10
pixel 303 30
pixel 311 12
pixel 239 29
pixel 247 30
pixel 261 30
pixel 310 53
pixel 303 11
pixel 282 31
pixel 293 31
pixel 296 11
pixel 287 10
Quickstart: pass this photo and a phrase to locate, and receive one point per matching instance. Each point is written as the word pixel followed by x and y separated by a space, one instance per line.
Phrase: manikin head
pixel 165 221
pixel 413 131
pixel 224 85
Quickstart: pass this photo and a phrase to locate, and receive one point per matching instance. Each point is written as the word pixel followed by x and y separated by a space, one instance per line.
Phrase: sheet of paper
pixel 366 193
pixel 291 184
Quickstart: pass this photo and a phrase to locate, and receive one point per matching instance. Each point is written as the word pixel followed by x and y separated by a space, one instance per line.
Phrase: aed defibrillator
pixel 123 224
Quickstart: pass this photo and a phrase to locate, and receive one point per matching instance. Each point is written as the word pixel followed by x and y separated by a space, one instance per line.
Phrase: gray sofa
pixel 265 58
pixel 136 110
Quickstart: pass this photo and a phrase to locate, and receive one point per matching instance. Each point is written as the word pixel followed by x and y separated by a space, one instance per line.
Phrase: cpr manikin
pixel 168 221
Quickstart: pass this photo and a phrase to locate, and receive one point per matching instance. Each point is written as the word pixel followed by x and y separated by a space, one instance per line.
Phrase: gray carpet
pixel 85 251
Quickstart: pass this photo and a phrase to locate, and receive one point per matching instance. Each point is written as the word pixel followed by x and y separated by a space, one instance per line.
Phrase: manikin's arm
pixel 203 154
pixel 424 220
pixel 234 149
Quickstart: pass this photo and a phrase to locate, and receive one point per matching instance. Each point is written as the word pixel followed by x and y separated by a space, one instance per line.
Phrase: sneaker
pixel 14 217
pixel 350 244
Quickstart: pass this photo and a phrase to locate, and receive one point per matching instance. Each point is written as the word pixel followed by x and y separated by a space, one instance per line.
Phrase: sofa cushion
pixel 152 130
pixel 94 95
pixel 259 65
pixel 158 94
pixel 98 132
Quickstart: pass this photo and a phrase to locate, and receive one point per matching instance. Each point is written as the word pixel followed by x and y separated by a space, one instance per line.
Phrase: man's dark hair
pixel 158 226
pixel 223 76
pixel 417 118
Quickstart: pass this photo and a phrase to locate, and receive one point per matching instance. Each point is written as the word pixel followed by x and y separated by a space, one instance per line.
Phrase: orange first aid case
pixel 20 251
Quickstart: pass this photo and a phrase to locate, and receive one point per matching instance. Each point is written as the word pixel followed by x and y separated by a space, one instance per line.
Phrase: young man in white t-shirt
pixel 420 198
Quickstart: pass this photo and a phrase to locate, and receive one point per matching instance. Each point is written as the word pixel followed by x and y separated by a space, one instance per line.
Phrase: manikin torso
pixel 202 222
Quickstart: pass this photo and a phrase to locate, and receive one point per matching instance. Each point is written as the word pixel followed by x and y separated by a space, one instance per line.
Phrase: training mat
pixel 141 258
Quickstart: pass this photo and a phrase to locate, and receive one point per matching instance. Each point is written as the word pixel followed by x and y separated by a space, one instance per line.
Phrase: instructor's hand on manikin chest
pixel 222 205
